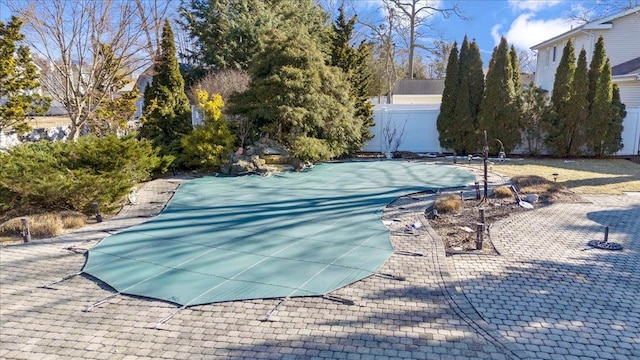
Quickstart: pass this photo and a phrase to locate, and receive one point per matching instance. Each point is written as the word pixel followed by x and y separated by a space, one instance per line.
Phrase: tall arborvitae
pixel 462 111
pixel 595 68
pixel 604 122
pixel 476 80
pixel 600 114
pixel 498 108
pixel 578 108
pixel 559 132
pixel 166 114
pixel 353 62
pixel 515 65
pixel 613 138
pixel 446 119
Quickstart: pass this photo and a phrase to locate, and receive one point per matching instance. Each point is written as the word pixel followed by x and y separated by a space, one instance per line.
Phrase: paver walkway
pixel 550 293
pixel 422 305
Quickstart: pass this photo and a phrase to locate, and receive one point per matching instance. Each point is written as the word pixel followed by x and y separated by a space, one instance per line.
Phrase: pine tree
pixel 353 63
pixel 297 99
pixel 559 131
pixel 498 111
pixel 446 119
pixel 18 79
pixel 463 112
pixel 166 114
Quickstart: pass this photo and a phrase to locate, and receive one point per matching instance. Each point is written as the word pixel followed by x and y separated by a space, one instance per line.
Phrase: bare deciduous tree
pixel 412 15
pixel 589 11
pixel 384 57
pixel 393 136
pixel 224 82
pixel 87 50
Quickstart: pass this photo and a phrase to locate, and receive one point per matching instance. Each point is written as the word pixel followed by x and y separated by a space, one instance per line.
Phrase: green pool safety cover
pixel 293 234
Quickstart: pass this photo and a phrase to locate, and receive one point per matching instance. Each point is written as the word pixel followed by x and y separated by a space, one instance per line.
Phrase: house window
pixel 548 55
pixel 554 54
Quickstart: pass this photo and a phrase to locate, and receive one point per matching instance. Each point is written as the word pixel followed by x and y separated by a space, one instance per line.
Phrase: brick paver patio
pixel 544 297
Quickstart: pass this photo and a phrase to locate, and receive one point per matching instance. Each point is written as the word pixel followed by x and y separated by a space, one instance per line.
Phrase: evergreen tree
pixel 446 118
pixel 296 98
pixel 465 120
pixel 18 79
pixel 600 116
pixel 515 65
pixel 595 68
pixel 498 111
pixel 534 106
pixel 517 83
pixel 606 112
pixel 476 83
pixel 353 63
pixel 166 114
pixel 229 33
pixel 578 108
pixel 559 130
pixel 613 138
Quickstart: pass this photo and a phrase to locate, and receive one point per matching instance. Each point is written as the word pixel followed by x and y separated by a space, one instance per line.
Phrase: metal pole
pixel 479 236
pixel 486 160
pixel 26 230
pixel 606 233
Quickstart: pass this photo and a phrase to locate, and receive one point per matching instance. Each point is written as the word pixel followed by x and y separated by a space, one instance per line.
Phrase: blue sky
pixel 524 23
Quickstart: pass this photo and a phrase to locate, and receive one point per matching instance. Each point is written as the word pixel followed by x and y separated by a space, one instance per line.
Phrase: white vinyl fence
pixel 420 133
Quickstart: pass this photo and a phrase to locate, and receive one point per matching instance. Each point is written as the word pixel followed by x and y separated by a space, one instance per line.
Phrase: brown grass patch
pixel 73 219
pixel 582 176
pixel 44 226
pixel 502 192
pixel 447 203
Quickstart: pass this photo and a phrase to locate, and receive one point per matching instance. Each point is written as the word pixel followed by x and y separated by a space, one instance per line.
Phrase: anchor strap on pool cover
pixel 295 234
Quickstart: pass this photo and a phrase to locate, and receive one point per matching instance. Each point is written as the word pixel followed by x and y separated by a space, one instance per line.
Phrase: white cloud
pixel 495 33
pixel 526 31
pixel 532 5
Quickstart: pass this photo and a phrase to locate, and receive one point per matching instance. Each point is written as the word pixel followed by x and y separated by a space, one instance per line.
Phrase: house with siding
pixel 428 91
pixel 620 33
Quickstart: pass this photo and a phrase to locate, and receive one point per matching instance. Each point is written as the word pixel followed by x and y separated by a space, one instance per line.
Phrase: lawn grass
pixel 582 176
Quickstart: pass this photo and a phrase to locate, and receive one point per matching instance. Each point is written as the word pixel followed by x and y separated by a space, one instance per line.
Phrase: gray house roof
pixel 419 87
pixel 626 68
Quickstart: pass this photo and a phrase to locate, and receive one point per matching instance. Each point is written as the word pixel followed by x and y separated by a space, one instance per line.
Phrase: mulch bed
pixel 458 230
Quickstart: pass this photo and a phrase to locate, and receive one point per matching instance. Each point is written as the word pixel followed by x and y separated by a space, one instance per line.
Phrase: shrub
pixel 446 203
pixel 528 180
pixel 502 192
pixel 311 149
pixel 533 184
pixel 62 176
pixel 208 145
